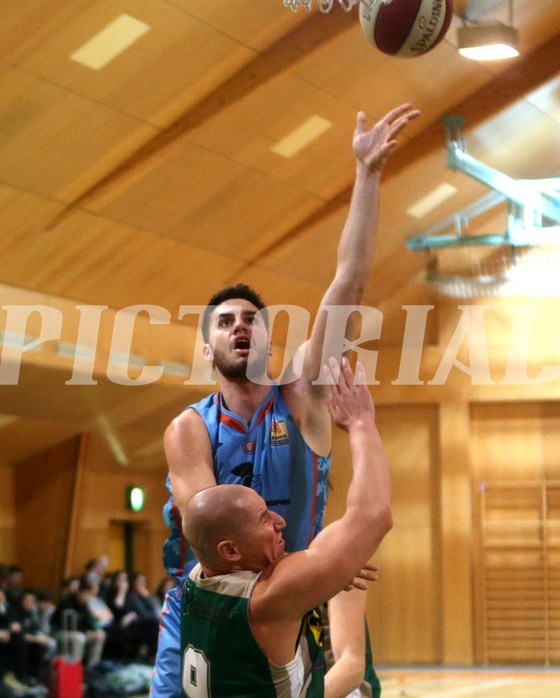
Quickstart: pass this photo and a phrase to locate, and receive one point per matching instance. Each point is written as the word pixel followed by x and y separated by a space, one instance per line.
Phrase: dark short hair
pixel 86 585
pixel 44 595
pixel 237 291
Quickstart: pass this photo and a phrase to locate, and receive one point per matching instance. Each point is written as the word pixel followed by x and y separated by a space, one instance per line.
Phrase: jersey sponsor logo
pixel 279 433
pixel 249 447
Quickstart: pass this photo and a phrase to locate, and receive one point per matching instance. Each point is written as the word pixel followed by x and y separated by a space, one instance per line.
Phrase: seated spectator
pixel 98 606
pixel 69 585
pixel 131 636
pixel 6 619
pixel 45 608
pixel 13 584
pixel 86 642
pixel 13 666
pixel 96 571
pixel 143 602
pixel 38 647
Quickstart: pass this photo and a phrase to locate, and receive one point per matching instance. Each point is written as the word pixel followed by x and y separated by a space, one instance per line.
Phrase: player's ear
pixel 208 353
pixel 228 550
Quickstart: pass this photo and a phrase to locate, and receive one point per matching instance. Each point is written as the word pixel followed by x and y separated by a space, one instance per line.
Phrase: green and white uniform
pixel 221 658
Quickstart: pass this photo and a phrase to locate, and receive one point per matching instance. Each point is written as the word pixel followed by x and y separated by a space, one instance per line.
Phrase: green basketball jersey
pixel 220 656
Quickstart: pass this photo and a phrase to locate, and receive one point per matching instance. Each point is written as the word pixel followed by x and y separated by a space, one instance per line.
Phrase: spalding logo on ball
pixel 405 28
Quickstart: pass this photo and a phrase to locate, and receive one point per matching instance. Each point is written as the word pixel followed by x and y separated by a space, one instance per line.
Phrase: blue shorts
pixel 166 679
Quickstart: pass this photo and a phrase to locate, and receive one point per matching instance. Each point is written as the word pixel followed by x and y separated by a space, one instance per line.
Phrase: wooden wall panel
pixel 516 464
pixel 43 500
pixel 402 612
pixel 516 441
pixel 102 503
pixel 456 560
pixel 56 511
pixel 7 515
pixel 403 605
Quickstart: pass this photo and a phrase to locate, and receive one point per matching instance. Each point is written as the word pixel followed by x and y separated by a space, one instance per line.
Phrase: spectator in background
pixel 45 608
pixel 96 568
pixel 96 571
pixel 98 606
pixel 142 600
pixel 87 640
pixel 133 635
pixel 6 620
pixel 38 647
pixel 13 656
pixel 69 585
pixel 13 584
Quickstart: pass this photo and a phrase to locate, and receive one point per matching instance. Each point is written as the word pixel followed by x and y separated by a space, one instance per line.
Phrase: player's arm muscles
pixel 354 261
pixel 348 642
pixel 189 456
pixel 302 393
pixel 308 578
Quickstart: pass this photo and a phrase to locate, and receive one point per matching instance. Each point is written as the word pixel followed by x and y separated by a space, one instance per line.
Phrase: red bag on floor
pixel 67 678
pixel 67 675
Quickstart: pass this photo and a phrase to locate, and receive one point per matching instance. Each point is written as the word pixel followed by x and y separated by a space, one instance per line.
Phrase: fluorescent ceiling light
pixel 75 351
pixel 487 42
pixel 6 420
pixel 175 368
pixel 17 340
pixel 436 197
pixel 111 41
pixel 118 358
pixel 305 134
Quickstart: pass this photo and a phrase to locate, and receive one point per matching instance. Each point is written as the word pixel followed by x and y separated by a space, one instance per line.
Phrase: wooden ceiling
pixel 152 180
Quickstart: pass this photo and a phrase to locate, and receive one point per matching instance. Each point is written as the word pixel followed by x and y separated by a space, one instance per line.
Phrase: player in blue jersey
pixel 275 439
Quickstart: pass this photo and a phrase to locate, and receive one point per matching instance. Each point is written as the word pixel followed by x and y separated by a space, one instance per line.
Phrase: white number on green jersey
pixel 196 673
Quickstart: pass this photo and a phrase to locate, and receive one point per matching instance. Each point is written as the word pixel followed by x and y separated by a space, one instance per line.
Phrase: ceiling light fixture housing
pixel 487 42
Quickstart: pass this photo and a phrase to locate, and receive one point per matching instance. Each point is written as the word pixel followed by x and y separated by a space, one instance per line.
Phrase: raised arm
pixel 308 578
pixel 354 264
pixel 354 261
pixel 189 456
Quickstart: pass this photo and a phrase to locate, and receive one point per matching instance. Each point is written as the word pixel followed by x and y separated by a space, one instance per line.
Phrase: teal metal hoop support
pixel 533 205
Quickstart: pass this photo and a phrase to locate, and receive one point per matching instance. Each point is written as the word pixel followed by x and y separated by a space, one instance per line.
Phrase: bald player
pixel 249 623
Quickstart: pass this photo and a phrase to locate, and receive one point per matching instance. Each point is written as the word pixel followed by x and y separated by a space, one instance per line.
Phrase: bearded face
pixel 237 336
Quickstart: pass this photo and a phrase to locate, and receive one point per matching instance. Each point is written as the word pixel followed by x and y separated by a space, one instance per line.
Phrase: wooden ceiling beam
pixel 313 32
pixel 523 77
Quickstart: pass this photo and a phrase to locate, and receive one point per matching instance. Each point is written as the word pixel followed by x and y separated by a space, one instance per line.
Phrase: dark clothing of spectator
pixel 133 635
pixel 84 618
pixel 12 644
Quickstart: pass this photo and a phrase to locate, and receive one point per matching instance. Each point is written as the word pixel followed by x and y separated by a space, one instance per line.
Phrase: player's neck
pixel 243 398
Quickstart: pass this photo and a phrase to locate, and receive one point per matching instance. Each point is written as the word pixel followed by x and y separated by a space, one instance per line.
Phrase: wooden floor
pixel 503 682
pixel 437 682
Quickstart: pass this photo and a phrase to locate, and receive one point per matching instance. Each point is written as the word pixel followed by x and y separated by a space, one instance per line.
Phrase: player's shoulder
pixel 186 424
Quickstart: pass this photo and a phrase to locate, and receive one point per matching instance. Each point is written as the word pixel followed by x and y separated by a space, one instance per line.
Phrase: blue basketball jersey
pixel 270 455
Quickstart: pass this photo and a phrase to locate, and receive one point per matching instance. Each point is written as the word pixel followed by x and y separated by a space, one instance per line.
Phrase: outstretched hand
pixel 350 399
pixel 366 574
pixel 373 147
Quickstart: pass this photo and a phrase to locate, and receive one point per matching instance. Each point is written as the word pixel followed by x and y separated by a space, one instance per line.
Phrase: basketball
pixel 405 28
